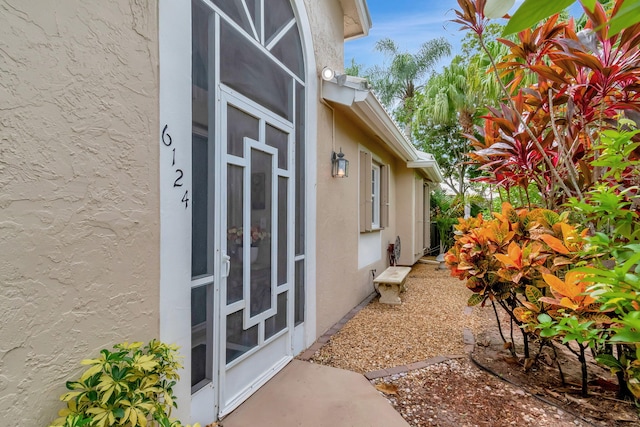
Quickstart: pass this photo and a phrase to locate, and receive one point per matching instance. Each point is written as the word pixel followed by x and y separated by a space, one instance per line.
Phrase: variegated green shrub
pixel 131 386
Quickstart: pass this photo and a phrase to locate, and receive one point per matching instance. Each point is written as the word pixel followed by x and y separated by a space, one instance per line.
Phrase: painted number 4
pixel 166 140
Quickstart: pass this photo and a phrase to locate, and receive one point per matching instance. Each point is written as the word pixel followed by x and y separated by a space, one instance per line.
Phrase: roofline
pixel 354 93
pixel 431 168
pixel 364 17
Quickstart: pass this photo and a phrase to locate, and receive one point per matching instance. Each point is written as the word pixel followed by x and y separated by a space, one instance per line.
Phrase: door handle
pixel 226 262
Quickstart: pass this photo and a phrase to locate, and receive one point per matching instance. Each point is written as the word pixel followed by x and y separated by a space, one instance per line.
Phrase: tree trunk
pixel 407 129
pixel 623 389
pixel 583 364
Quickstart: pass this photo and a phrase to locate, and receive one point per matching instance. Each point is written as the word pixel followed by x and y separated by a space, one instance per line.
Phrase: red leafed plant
pixel 547 133
pixel 571 135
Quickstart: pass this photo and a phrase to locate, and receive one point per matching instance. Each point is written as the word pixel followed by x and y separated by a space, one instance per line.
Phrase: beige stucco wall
pixel 326 22
pixel 79 210
pixel 341 283
pixel 405 203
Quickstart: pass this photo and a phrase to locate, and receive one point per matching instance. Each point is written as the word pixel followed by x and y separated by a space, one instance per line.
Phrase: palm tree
pixel 399 82
pixel 447 108
pixel 458 94
pixel 451 103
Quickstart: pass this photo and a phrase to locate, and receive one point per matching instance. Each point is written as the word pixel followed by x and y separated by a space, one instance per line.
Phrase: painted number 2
pixel 178 181
pixel 167 142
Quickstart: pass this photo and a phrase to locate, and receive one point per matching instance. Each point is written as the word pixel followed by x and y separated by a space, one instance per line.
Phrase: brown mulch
pixel 456 392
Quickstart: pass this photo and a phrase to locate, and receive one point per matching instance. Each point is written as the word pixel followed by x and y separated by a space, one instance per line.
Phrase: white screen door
pixel 256 298
pixel 249 264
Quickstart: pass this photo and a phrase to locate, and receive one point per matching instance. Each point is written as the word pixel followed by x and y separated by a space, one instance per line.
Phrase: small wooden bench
pixel 390 283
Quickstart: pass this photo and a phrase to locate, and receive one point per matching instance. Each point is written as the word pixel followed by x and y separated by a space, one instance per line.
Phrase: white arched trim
pixel 311 134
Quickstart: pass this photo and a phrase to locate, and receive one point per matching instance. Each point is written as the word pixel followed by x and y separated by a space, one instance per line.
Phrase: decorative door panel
pixel 256 323
pixel 248 299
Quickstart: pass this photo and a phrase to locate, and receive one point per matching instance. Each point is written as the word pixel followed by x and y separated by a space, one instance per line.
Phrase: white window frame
pixel 375 196
pixel 373 193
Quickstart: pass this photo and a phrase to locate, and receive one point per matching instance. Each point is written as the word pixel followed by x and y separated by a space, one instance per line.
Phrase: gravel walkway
pixel 429 323
pixel 416 355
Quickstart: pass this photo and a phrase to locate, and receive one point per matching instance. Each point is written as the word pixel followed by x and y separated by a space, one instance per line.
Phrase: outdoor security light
pixel 328 73
pixel 339 165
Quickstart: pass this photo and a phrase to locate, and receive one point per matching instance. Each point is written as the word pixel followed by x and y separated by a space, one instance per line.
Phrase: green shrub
pixel 131 386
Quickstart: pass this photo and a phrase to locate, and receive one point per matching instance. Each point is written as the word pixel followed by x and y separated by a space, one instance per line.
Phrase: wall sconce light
pixel 339 165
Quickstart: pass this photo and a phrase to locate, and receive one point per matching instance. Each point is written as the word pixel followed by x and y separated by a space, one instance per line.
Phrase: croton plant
pixel 547 133
pixel 524 261
pixel 568 273
pixel 500 257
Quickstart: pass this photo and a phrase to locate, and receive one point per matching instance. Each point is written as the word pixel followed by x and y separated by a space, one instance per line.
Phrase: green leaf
pixel 631 262
pixel 533 295
pixel 494 9
pixel 628 15
pixel 544 318
pixel 533 11
pixel 608 360
pixel 626 336
pixel 475 299
pixel 548 333
pixel 632 279
pixel 634 247
pixel 118 412
pixel 597 273
pixel 589 4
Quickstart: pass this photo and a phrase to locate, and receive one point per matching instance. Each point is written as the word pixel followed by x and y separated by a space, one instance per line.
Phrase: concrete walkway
pixel 310 395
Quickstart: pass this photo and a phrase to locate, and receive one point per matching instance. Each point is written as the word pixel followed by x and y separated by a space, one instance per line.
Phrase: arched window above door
pixel 271 23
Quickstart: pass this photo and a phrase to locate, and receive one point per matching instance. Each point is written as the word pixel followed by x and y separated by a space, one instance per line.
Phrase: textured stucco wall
pixel 336 263
pixel 405 203
pixel 326 22
pixel 79 210
pixel 341 284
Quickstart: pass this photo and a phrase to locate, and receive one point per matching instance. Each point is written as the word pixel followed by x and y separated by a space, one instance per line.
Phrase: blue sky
pixel 409 23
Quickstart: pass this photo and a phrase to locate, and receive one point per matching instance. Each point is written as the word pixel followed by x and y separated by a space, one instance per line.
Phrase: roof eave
pixel 355 94
pixel 357 19
pixel 363 103
pixel 430 168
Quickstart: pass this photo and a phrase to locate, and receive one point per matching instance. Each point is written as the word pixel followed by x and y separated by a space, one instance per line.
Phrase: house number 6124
pixel 167 142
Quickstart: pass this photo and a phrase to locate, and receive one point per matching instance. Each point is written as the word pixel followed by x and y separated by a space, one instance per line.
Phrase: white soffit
pixel 354 94
pixel 357 20
pixel 429 165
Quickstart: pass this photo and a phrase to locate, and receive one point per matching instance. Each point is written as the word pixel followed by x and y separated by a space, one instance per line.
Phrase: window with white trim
pixel 374 194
